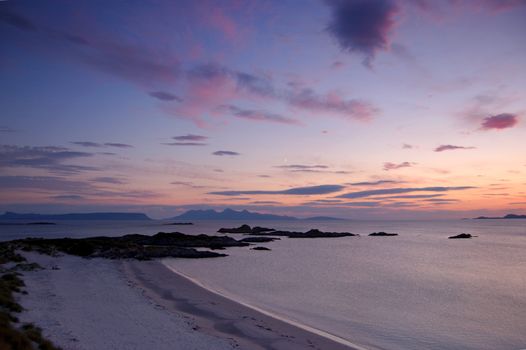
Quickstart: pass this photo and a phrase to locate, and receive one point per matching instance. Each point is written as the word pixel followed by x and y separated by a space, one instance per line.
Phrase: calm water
pixel 415 291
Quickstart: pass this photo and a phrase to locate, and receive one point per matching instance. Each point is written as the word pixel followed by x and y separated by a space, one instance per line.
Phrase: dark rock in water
pixel 258 239
pixel 382 234
pixel 240 229
pixel 462 235
pixel 260 248
pixel 184 240
pixel 314 233
pixel 258 229
pixel 179 223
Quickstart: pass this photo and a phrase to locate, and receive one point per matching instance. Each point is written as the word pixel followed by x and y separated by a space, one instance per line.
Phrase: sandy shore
pixel 90 304
pixel 103 304
pixel 219 316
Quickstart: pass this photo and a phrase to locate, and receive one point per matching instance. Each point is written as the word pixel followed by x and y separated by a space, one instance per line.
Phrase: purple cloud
pixel 190 137
pixel 362 194
pixel 393 166
pixel 301 167
pixel 184 144
pixel 500 121
pixel 118 145
pixel 362 26
pixel 68 197
pixel 86 144
pixel 49 158
pixel 256 115
pixel 443 148
pixel 374 183
pixel 109 180
pixel 225 153
pixel 165 96
pixel 302 191
pixel 213 84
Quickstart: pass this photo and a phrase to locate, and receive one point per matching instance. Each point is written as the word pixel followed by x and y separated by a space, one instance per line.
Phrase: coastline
pixel 220 316
pixel 84 304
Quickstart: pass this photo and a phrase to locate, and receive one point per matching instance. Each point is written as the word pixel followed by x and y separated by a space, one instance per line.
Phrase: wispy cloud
pixel 443 148
pixel 75 197
pixel 118 145
pixel 393 166
pixel 226 153
pixel 302 167
pixel 6 129
pixel 184 144
pixel 316 168
pixel 258 115
pixel 49 157
pixel 369 193
pixel 302 191
pixel 186 184
pixel 165 96
pixel 190 137
pixel 109 180
pixel 374 183
pixel 86 144
pixel 188 140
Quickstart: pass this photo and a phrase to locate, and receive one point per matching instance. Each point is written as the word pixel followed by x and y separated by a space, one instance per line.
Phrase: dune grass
pixel 14 336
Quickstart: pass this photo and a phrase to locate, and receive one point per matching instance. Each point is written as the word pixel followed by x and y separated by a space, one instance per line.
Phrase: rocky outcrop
pixel 260 248
pixel 382 234
pixel 461 236
pixel 161 245
pixel 241 229
pixel 314 233
pixel 258 239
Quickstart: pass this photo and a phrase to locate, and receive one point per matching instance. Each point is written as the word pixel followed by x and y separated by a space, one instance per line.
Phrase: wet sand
pixel 216 315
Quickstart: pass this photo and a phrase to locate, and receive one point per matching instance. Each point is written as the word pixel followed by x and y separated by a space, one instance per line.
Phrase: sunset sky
pixel 352 108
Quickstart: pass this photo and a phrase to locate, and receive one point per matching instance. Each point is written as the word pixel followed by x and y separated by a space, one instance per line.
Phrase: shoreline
pixel 217 315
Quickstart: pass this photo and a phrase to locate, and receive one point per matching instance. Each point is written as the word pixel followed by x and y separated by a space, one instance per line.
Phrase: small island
pixel 462 236
pixel 382 234
pixel 313 233
pixel 508 216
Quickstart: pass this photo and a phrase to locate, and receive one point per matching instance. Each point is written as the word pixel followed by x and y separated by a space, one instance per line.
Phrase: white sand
pixel 89 304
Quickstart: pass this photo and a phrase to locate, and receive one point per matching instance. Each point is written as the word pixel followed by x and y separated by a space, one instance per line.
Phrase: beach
pixel 116 304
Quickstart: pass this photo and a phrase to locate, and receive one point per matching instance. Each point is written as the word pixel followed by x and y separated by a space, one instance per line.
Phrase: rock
pixel 135 246
pixel 258 239
pixel 314 233
pixel 258 229
pixel 462 235
pixel 382 234
pixel 260 248
pixel 241 229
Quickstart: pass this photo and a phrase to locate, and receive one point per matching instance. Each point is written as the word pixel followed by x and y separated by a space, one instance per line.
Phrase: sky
pixel 361 109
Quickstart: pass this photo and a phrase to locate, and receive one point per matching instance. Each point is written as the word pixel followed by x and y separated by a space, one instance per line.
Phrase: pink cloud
pixel 500 121
pixel 393 166
pixel 218 19
pixel 442 148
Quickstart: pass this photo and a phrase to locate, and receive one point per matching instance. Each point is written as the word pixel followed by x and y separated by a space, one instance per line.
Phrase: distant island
pixel 230 214
pixel 509 216
pixel 77 216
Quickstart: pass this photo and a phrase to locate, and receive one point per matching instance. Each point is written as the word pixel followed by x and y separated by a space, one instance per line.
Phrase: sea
pixel 418 290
